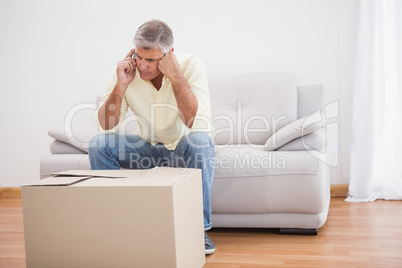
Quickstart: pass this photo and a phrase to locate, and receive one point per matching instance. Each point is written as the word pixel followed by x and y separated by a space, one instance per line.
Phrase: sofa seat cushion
pixel 251 187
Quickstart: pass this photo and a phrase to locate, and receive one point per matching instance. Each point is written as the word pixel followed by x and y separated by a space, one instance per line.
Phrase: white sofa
pixel 256 183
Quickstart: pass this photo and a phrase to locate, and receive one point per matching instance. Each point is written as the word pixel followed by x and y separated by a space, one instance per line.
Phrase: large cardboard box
pixel 115 218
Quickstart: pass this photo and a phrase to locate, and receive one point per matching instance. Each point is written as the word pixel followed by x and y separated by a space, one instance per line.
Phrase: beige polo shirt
pixel 156 112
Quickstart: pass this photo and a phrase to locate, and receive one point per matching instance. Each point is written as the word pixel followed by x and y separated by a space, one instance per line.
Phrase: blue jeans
pixel 196 150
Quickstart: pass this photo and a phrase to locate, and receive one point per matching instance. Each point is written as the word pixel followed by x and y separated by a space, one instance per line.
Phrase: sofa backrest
pixel 309 99
pixel 249 108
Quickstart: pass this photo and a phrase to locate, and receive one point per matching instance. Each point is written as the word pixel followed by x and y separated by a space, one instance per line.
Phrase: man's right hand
pixel 126 70
pixel 109 112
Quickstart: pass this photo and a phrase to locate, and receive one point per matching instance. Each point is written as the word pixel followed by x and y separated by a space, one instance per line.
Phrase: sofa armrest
pixel 61 162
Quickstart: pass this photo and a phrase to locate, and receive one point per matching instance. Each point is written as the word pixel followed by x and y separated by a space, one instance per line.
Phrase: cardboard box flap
pixel 128 173
pixel 141 181
pixel 91 173
pixel 58 181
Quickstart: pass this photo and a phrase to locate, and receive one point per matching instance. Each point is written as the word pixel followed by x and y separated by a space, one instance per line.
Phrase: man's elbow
pixel 190 123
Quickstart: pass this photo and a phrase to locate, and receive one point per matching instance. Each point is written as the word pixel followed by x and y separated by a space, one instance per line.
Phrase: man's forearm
pixel 186 100
pixel 109 112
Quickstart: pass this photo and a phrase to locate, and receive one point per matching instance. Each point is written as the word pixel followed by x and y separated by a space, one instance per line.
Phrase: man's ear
pixel 172 49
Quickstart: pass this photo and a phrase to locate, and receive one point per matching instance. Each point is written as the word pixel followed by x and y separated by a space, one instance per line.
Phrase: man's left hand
pixel 169 66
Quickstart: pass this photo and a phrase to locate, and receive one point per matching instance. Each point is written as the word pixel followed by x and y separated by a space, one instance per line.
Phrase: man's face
pixel 147 62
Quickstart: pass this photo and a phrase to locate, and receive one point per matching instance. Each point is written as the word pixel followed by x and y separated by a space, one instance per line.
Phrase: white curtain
pixel 376 150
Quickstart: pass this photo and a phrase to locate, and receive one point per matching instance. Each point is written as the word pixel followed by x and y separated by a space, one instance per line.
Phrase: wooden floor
pixel 355 235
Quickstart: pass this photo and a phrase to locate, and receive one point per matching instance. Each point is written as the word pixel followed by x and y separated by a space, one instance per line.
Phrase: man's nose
pixel 142 65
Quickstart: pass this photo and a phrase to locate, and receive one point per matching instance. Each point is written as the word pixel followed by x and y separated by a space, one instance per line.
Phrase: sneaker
pixel 209 245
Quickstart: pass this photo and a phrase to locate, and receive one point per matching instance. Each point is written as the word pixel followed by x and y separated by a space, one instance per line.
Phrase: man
pixel 168 93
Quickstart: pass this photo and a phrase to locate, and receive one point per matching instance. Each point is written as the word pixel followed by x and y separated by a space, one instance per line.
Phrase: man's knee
pixel 198 140
pixel 196 149
pixel 102 141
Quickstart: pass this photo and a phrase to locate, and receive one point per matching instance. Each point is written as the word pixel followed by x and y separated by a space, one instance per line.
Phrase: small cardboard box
pixel 115 218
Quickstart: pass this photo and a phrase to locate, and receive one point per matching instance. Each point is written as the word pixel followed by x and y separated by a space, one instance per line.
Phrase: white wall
pixel 55 54
pixel 348 11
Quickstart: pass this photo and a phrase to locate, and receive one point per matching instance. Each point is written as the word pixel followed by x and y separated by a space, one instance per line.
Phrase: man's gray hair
pixel 154 34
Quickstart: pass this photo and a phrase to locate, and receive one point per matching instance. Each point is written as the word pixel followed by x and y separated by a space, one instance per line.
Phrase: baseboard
pixel 10 192
pixel 337 191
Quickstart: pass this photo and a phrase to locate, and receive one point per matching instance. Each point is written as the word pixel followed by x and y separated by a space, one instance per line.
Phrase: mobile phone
pixel 133 56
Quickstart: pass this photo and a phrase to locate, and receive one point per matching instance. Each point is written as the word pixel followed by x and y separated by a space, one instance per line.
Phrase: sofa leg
pixel 294 231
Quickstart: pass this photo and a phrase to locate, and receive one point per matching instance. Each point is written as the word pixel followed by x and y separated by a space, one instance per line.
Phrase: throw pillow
pixel 294 130
pixel 314 141
pixel 59 147
pixel 79 139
